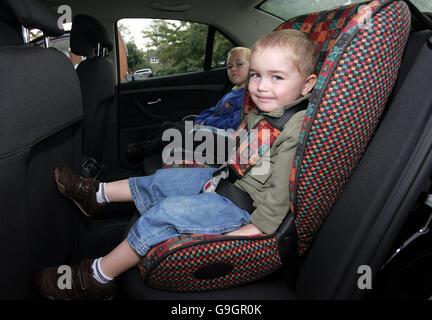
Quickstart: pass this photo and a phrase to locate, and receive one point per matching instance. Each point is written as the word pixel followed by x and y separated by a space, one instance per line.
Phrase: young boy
pixel 224 115
pixel 172 202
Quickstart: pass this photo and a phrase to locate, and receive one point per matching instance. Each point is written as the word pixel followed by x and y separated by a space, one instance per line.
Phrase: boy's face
pixel 238 68
pixel 274 78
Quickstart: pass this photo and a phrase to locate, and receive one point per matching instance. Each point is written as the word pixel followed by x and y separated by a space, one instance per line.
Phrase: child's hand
pixel 247 230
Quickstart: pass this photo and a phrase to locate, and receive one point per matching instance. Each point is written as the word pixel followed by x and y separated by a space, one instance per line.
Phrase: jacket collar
pixel 277 113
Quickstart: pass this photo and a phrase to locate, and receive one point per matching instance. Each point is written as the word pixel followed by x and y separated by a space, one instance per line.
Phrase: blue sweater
pixel 229 113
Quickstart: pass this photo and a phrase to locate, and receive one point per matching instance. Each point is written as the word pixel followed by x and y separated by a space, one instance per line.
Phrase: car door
pixel 183 79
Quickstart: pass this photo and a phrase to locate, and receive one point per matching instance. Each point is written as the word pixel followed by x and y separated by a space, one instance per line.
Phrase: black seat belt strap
pixel 279 123
pixel 240 198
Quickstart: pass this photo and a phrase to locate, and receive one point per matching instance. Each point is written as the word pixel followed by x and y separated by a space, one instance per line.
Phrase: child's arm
pixel 208 112
pixel 225 121
pixel 204 114
pixel 230 112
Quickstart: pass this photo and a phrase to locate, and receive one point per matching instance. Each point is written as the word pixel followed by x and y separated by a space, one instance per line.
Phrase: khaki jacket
pixel 268 185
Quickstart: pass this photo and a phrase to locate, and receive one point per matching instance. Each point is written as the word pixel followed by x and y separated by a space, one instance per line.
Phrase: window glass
pixel 222 45
pixel 35 34
pixel 423 5
pixel 157 47
pixel 286 9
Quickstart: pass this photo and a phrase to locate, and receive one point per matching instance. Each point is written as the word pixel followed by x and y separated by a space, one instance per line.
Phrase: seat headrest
pixel 33 14
pixel 86 34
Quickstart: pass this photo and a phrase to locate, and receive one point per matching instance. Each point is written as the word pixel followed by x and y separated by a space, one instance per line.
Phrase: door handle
pixel 148 113
pixel 156 101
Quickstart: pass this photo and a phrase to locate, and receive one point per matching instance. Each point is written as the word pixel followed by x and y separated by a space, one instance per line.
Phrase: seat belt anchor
pixel 90 168
pixel 422 231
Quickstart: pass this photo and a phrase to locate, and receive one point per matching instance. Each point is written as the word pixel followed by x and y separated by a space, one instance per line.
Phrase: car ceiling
pixel 238 19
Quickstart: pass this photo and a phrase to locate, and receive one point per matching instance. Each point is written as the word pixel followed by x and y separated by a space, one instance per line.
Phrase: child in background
pixel 226 113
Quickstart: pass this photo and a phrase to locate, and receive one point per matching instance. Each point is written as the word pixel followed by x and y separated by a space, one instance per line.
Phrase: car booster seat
pixel 360 46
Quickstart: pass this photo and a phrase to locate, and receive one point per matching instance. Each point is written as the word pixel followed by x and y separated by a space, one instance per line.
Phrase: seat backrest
pixel 89 38
pixel 352 89
pixel 41 112
pixel 382 192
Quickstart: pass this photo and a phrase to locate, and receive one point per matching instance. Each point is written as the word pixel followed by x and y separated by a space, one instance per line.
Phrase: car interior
pixel 363 204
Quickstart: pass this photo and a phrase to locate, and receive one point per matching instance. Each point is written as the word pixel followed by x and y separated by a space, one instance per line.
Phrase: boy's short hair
pixel 245 52
pixel 305 49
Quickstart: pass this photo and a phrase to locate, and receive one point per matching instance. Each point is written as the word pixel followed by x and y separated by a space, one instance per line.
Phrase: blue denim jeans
pixel 170 204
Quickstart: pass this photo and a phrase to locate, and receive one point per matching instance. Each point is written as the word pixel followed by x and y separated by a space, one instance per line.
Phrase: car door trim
pixel 211 87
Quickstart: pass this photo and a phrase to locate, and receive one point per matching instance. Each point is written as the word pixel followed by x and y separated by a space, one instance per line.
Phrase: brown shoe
pixel 53 283
pixel 81 190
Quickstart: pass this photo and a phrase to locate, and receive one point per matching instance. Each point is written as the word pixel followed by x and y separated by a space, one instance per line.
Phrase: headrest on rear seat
pixel 33 14
pixel 34 106
pixel 86 34
pixel 48 97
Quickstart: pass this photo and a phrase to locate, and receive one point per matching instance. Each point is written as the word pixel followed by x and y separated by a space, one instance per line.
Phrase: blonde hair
pixel 305 50
pixel 245 52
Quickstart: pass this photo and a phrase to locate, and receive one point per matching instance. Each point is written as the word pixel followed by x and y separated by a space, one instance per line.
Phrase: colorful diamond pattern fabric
pixel 344 111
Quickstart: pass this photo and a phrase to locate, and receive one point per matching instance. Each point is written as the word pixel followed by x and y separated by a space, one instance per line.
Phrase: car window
pixel 287 9
pixel 221 46
pixel 158 47
pixel 423 5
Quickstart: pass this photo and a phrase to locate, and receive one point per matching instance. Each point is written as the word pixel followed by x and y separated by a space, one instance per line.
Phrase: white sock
pixel 100 194
pixel 98 274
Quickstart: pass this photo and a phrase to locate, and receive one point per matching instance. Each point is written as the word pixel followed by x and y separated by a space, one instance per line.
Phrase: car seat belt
pixel 421 232
pixel 223 185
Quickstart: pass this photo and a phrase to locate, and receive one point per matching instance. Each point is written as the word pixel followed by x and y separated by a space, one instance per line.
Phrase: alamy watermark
pixel 365 18
pixel 65 280
pixel 365 279
pixel 66 15
pixel 364 12
pixel 195 145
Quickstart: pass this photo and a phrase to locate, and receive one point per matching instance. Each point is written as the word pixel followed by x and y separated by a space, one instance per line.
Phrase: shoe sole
pixel 53 299
pixel 62 190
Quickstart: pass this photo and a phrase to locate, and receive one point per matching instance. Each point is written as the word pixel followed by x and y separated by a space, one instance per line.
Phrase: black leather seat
pixel 89 38
pixel 40 125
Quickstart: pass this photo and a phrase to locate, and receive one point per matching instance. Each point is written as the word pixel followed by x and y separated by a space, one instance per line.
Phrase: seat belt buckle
pixel 90 168
pixel 211 185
